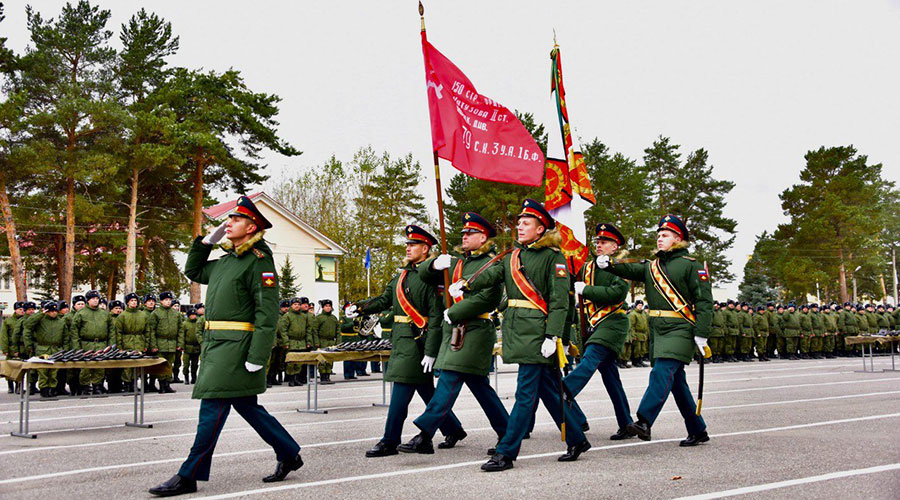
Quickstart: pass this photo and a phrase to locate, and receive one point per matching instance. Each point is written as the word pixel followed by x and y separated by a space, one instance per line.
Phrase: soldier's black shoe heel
pixel 419 444
pixel 283 469
pixel 620 435
pixel 640 429
pixel 497 463
pixel 177 485
pixel 451 440
pixel 381 450
pixel 695 439
pixel 574 452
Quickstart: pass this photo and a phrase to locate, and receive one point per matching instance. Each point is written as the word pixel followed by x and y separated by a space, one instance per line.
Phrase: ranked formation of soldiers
pixel 233 348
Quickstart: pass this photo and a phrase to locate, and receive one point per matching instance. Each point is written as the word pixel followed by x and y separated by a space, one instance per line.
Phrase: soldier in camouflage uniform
pixel 7 329
pixel 328 332
pixel 717 333
pixel 165 322
pixel 761 332
pixel 133 334
pixel 47 334
pixel 732 331
pixel 92 329
pixel 192 335
pixel 640 332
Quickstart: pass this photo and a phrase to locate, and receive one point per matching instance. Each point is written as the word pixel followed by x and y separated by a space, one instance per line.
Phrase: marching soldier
pixel 133 334
pixel 243 297
pixel 192 335
pixel 92 329
pixel 604 301
pixel 680 298
pixel 536 278
pixel 717 333
pixel 47 335
pixel 7 330
pixel 415 340
pixel 761 332
pixel 640 328
pixel 165 323
pixel 467 362
pixel 328 332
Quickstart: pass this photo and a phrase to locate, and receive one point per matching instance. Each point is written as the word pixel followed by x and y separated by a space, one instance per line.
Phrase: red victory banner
pixel 478 135
pixel 567 192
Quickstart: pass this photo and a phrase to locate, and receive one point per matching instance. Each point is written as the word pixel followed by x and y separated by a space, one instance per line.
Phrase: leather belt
pixel 521 303
pixel 402 319
pixel 230 325
pixel 656 313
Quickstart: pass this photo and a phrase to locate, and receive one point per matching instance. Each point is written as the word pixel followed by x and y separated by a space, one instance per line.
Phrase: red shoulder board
pixel 258 253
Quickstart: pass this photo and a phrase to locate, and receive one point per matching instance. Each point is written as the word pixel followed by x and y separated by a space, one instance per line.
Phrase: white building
pixel 312 254
pixel 7 287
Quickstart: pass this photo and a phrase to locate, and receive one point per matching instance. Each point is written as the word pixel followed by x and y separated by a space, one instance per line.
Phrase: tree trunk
pixel 66 279
pixel 131 244
pixel 15 257
pixel 112 284
pixel 60 260
pixel 145 258
pixel 197 226
pixel 842 277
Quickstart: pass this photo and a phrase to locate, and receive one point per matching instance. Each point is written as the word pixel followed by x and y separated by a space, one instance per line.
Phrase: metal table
pixel 313 358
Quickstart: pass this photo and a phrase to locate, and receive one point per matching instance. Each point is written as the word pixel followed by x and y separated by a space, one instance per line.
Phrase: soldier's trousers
pixel 176 365
pixel 746 345
pixel 327 367
pixel 730 344
pixel 448 387
pixel 790 345
pixel 804 344
pixel 781 343
pixel 170 361
pixel 47 378
pixel 625 355
pixel 537 382
pixel 815 344
pixel 717 345
pixel 190 363
pixel 638 348
pixel 401 396
pixel 213 413
pixel 771 344
pixel 828 343
pixel 668 376
pixel 760 343
pixel 91 376
pixel 599 358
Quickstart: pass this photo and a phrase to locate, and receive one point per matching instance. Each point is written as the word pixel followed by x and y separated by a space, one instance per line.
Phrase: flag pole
pixel 440 196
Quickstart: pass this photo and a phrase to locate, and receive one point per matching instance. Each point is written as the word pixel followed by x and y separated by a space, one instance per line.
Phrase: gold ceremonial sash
pixel 597 314
pixel 667 290
pixel 230 325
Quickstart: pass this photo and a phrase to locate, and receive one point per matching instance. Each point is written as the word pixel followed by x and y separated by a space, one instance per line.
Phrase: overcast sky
pixel 756 83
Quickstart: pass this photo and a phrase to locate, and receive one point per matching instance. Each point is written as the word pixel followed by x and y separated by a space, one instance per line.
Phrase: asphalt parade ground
pixel 783 429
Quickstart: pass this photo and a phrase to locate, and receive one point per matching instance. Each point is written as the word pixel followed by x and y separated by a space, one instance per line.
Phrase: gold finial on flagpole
pixel 555 45
pixel 422 14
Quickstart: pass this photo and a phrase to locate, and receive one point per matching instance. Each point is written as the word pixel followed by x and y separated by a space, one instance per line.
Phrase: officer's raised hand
pixel 602 261
pixel 217 234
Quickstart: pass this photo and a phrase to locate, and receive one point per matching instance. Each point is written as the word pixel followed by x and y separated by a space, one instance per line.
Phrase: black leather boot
pixel 620 435
pixel 421 444
pixel 451 440
pixel 177 485
pixel 695 439
pixel 381 450
pixel 573 452
pixel 641 429
pixel 497 463
pixel 283 469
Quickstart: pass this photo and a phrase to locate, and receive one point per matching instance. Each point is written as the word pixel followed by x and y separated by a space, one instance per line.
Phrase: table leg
pixel 315 392
pixel 872 357
pixel 139 402
pixel 384 383
pixel 893 366
pixel 24 408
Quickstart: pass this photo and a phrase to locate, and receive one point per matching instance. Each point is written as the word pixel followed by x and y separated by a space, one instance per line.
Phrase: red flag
pixel 478 135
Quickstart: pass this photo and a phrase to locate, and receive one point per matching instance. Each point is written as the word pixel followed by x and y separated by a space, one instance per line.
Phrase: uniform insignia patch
pixel 704 276
pixel 561 270
pixel 258 253
pixel 268 280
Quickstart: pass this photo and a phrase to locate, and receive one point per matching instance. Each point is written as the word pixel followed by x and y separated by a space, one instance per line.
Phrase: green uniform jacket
pixel 863 322
pixel 92 329
pixel 18 336
pixel 328 328
pixel 829 319
pixel 350 330
pixel 774 329
pixel 293 326
pixel 475 355
pixel 761 325
pixel 746 322
pixel 872 319
pixel 606 290
pixel 818 325
pixel 732 323
pixel 191 335
pixel 7 330
pixel 133 330
pixel 674 337
pixel 243 287
pixel 717 328
pixel 847 322
pixel 165 323
pixel 805 325
pixel 46 335
pixel 640 325
pixel 408 343
pixel 883 321
pixel 524 329
pixel 790 324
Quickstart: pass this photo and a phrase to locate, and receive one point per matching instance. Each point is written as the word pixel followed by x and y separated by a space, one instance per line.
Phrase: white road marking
pixel 790 482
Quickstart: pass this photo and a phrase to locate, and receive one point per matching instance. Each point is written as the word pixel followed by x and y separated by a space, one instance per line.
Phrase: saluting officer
pixel 469 363
pixel 415 340
pixel 243 309
pixel 536 278
pixel 604 301
pixel 680 298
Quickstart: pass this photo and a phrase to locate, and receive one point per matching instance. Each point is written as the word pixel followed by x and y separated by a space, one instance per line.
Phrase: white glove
pixel 579 287
pixel 217 234
pixel 548 348
pixel 701 344
pixel 441 262
pixel 456 289
pixel 251 367
pixel 427 364
pixel 447 317
pixel 602 261
pixel 351 311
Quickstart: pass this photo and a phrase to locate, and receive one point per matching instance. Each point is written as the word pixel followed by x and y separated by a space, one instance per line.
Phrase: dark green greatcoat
pixel 673 337
pixel 237 292
pixel 477 351
pixel 409 344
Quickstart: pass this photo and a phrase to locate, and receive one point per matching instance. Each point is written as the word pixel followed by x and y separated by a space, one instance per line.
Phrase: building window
pixel 5 272
pixel 326 269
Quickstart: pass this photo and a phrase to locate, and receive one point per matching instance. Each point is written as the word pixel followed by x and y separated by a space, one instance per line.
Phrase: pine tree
pixel 287 279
